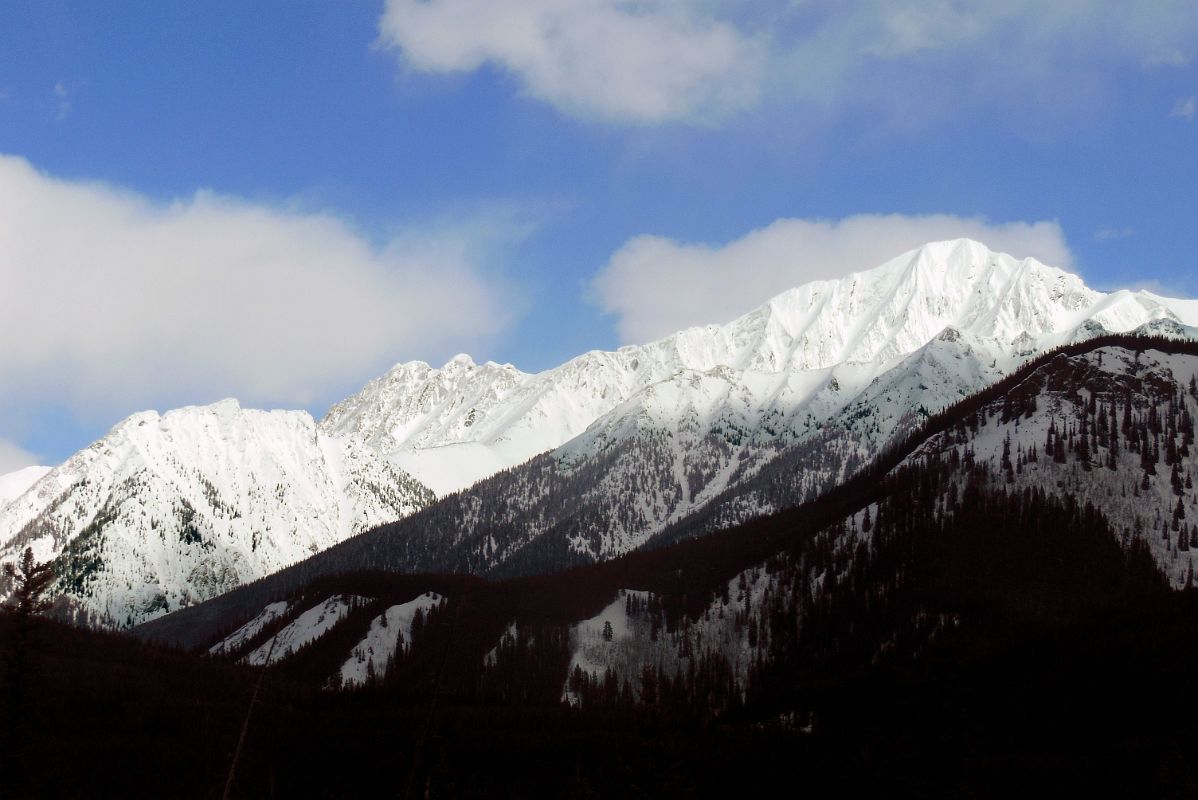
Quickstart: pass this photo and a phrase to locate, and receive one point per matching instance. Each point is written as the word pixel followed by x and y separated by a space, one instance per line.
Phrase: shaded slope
pixel 705 561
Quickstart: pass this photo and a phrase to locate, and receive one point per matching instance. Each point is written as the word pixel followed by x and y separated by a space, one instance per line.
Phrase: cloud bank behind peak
pixel 110 301
pixel 654 285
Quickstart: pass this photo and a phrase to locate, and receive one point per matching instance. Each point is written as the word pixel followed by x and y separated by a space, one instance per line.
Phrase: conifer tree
pixel 1083 450
pixel 30 580
pixel 1006 458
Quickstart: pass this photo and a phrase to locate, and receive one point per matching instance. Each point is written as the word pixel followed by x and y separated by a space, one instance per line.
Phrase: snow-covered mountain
pixel 588 460
pixel 171 509
pixel 1100 438
pixel 1105 437
pixel 454 425
pixel 1016 552
pixel 734 420
pixel 16 483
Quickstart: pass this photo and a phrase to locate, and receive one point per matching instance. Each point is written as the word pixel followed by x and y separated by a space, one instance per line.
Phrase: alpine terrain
pixel 1004 571
pixel 604 454
pixel 171 509
pixel 717 425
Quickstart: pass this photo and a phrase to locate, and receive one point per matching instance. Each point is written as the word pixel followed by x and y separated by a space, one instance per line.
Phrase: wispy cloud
pixel 62 100
pixel 14 457
pixel 654 285
pixel 628 62
pixel 660 61
pixel 1111 234
pixel 1185 108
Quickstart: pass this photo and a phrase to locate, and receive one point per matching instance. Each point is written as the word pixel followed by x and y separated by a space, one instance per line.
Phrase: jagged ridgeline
pixel 171 509
pixel 1002 440
pixel 985 576
pixel 1134 378
pixel 978 612
pixel 700 430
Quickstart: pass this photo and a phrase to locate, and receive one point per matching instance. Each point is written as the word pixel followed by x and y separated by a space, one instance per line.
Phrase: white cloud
pixel 647 61
pixel 1028 65
pixel 113 302
pixel 654 285
pixel 1185 108
pixel 652 61
pixel 14 457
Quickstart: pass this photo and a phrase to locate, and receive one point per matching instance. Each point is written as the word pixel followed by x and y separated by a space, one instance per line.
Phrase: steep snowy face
pixel 168 510
pixel 416 405
pixel 893 310
pixel 486 417
pixel 15 484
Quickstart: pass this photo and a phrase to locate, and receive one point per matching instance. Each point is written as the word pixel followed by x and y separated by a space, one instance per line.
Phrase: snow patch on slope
pixel 307 627
pixel 388 632
pixel 625 637
pixel 239 637
pixel 448 468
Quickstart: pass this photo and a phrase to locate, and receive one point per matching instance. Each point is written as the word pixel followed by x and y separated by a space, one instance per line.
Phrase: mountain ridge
pixel 872 317
pixel 169 509
pixel 713 558
pixel 822 376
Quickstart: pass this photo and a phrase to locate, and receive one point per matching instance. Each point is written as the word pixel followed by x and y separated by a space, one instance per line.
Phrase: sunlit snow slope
pixel 454 425
pixel 727 421
pixel 14 484
pixel 734 420
pixel 172 509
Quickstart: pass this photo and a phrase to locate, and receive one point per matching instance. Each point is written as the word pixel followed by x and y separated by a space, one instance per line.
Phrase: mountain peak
pixel 953 249
pixel 169 509
pixel 1005 308
pixel 195 500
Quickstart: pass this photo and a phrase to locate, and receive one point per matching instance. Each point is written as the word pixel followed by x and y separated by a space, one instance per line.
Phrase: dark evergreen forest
pixel 984 640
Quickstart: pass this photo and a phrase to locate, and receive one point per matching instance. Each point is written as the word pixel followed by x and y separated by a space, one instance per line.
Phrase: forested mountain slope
pixel 946 619
pixel 708 563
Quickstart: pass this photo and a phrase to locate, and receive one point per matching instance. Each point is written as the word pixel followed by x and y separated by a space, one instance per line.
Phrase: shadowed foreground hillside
pixel 960 619
pixel 1056 685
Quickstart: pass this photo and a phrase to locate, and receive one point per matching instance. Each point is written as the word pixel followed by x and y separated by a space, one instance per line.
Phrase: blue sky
pixel 456 175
